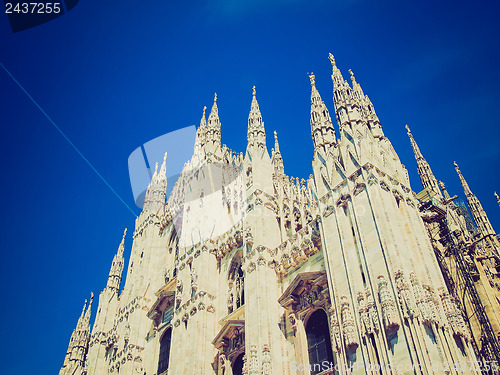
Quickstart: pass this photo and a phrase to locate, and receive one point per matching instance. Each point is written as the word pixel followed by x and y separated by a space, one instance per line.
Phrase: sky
pixel 114 75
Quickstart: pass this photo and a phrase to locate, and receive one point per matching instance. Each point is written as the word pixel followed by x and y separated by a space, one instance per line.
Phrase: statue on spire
pixel 353 79
pixel 332 59
pixel 312 77
pixel 256 135
pixel 276 144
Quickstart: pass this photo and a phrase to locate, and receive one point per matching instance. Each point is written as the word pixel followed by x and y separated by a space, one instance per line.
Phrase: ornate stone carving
pixel 455 317
pixel 366 323
pixel 266 360
pixel 372 310
pixel 335 330
pixel 404 295
pixel 389 310
pixel 253 366
pixel 307 299
pixel 419 295
pixel 348 326
pixel 245 365
pixel 293 321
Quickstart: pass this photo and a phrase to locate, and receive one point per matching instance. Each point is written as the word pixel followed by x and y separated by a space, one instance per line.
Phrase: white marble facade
pixel 245 270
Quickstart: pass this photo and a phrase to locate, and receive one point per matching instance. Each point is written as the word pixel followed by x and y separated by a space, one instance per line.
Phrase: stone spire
pixel 356 87
pixel 465 185
pixel 322 130
pixel 163 169
pixel 157 189
pixel 256 135
pixel 277 159
pixel 342 93
pixel 88 313
pixel 352 106
pixel 79 323
pixel 213 133
pixel 201 132
pixel 424 169
pixel 498 198
pixel 76 355
pixel 116 271
pixel 478 213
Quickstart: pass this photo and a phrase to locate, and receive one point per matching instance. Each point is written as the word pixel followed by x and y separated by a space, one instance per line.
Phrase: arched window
pixel 238 365
pixel 236 282
pixel 318 341
pixel 164 351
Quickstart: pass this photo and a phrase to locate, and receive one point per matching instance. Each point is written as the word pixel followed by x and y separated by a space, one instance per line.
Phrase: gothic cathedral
pixel 245 270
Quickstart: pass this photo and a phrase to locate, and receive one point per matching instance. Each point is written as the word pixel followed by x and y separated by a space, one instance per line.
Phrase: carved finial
pixel 215 98
pixel 84 307
pixel 163 168
pixel 312 77
pixel 498 198
pixel 442 185
pixel 254 91
pixel 121 247
pixel 408 129
pixel 156 169
pixel 332 59
pixel 456 165
pixel 276 144
pixel 203 121
pixel 353 79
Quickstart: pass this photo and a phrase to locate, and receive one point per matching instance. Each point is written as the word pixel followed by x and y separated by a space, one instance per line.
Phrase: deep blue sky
pixel 115 74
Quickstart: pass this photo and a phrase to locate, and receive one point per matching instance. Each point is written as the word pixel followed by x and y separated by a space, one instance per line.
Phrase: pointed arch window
pixel 164 357
pixel 236 282
pixel 318 342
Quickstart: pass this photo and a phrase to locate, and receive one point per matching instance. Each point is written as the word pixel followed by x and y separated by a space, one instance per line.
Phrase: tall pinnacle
pixel 116 271
pixel 156 170
pixel 478 213
pixel 82 315
pixel 465 186
pixel 201 133
pixel 342 95
pixel 256 134
pixel 121 248
pixel 163 169
pixel 213 134
pixel 277 160
pixel 203 121
pixel 322 130
pixel 424 169
pixel 356 87
pixel 89 311
pixel 157 189
pixel 338 81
